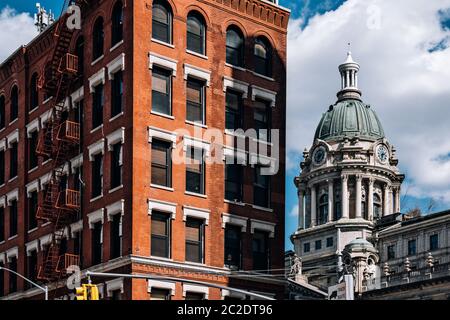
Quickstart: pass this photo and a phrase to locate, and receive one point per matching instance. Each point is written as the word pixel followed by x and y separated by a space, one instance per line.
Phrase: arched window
pixel 161 21
pixel 79 51
pixel 376 206
pixel 235 47
pixel 98 38
pixel 2 111
pixel 117 23
pixel 263 57
pixel 323 209
pixel 196 33
pixel 14 104
pixel 34 94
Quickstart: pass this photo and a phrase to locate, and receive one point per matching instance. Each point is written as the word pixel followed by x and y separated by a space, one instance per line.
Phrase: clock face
pixel 319 155
pixel 382 153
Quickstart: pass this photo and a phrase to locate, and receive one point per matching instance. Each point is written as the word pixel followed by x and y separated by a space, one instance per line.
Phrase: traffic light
pixel 87 292
pixel 81 293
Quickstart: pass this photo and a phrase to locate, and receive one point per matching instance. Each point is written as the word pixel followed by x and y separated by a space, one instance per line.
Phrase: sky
pixel 403 49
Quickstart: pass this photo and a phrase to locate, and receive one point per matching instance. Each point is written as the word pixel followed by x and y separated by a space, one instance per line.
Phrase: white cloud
pixel 294 211
pixel 406 84
pixel 16 29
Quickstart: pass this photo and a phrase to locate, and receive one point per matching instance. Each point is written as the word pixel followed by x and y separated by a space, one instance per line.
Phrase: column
pixel 397 199
pixel 344 196
pixel 330 200
pixel 347 78
pixel 301 209
pixel 370 200
pixel 391 200
pixel 385 200
pixel 358 196
pixel 313 206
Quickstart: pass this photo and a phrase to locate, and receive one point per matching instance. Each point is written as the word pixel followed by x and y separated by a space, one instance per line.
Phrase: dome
pixel 347 119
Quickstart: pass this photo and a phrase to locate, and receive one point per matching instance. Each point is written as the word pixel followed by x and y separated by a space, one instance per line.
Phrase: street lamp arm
pixel 45 289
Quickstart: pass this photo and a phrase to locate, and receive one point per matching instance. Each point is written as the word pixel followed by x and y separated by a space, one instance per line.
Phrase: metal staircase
pixel 59 141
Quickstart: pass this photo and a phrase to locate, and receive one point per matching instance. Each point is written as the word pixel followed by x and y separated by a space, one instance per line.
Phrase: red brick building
pixel 146 70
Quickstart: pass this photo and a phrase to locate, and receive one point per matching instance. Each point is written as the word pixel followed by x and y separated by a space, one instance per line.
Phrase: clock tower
pixel 349 180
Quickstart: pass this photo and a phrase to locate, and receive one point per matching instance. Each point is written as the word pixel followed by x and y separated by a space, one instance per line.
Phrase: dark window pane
pixel 195 34
pixel 161 163
pixel 160 294
pixel 2 224
pixel 13 218
pixel 98 39
pixel 160 242
pixel 233 182
pixel 233 110
pixel 262 57
pixel 117 23
pixel 233 247
pixel 161 22
pixel 161 91
pixel 235 47
pixel 195 169
pixel 194 240
pixel 260 250
pixel 14 104
pixel 2 112
pixel 195 101
pixel 194 296
pixel 97 110
pixel 261 189
pixel 117 94
pixel 97 246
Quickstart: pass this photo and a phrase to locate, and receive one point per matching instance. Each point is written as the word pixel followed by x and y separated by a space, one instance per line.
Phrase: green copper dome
pixel 349 118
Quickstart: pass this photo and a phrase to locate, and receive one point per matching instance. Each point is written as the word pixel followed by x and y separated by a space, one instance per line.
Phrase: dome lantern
pixel 349 79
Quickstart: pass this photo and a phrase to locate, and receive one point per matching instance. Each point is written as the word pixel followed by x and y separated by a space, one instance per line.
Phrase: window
pixel 160 294
pixel 98 37
pixel 117 23
pixel 194 240
pixel 13 160
pixel 97 175
pixel 2 224
pixel 78 246
pixel 261 189
pixel 306 247
pixel 263 57
pixel 116 165
pixel 31 268
pixel 323 209
pixel 34 94
pixel 32 145
pixel 97 243
pixel 161 163
pixel 233 182
pixel 116 295
pixel 329 242
pixel 337 203
pixel 161 21
pixel 318 244
pixel 194 296
pixel 2 167
pixel 260 250
pixel 196 33
pixel 235 47
pixel 12 277
pixel 79 118
pixel 13 218
pixel 233 240
pixel 97 109
pixel 162 91
pixel 116 236
pixel 32 208
pixel 391 252
pixel 262 118
pixel 195 171
pixel 195 100
pixel 434 242
pixel 117 94
pixel 376 206
pixel 2 280
pixel 233 110
pixel 160 246
pixel 14 104
pixel 2 112
pixel 79 51
pixel 412 247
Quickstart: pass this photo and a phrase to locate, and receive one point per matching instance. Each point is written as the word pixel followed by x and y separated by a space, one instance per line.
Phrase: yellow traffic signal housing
pixel 81 293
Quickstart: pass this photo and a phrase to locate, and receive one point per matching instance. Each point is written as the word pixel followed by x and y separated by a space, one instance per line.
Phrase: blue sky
pixel 318 37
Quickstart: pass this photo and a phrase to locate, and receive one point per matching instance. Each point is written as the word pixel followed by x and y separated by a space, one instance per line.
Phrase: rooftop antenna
pixel 42 19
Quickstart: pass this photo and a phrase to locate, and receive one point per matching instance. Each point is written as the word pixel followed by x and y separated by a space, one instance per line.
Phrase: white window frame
pixel 113 285
pixel 162 62
pixel 31 187
pixel 235 85
pixel 76 227
pixel 197 144
pixel 32 127
pixel 163 206
pixel 116 65
pixel 161 134
pixel 191 71
pixel 158 284
pixel 234 220
pixel 195 289
pixel 117 207
pixel 12 137
pixel 96 216
pixel 197 213
pixel 264 94
pixel 115 137
pixel 13 252
pixel 262 226
pixel 97 79
pixel 96 148
pixel 32 246
pixel 12 195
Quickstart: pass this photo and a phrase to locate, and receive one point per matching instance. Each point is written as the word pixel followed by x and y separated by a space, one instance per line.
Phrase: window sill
pixel 232 132
pixel 115 189
pixel 236 67
pixel 116 116
pixel 33 169
pixel 32 230
pixel 262 208
pixel 12 179
pixel 3 129
pixel 2 242
pixel 157 186
pixel 97 60
pixel 163 43
pixel 162 115
pixel 97 128
pixel 118 44
pixel 45 224
pixel 238 203
pixel 14 121
pixel 33 110
pixel 196 194
pixel 263 142
pixel 96 198
pixel 47 100
pixel 160 258
pixel 262 76
pixel 46 161
pixel 202 56
pixel 196 124
pixel 13 237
